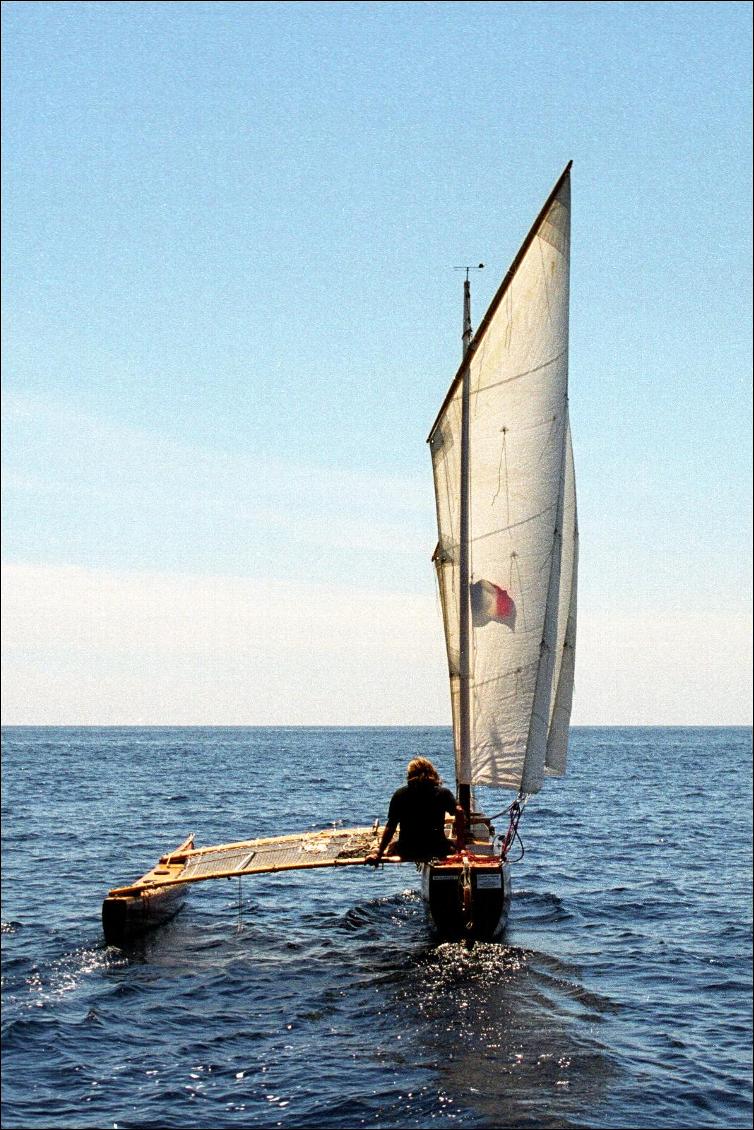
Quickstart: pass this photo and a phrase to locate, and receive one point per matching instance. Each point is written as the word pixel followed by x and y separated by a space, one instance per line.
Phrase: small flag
pixel 488 602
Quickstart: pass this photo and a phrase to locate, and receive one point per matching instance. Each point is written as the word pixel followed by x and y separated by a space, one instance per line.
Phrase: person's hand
pixel 372 859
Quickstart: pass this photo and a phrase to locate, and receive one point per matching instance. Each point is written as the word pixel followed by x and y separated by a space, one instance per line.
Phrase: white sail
pixel 522 541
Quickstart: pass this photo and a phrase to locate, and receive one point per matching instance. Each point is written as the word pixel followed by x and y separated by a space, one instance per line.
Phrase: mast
pixel 466 336
pixel 463 767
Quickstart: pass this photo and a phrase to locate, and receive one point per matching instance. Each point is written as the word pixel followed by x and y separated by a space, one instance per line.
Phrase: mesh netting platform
pixel 309 849
pixel 328 848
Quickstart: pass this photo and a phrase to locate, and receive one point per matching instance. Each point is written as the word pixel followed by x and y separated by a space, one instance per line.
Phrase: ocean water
pixel 620 994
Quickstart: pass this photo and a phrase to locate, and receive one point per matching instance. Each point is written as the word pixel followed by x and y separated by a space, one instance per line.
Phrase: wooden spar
pixel 154 884
pixel 463 766
pixel 466 335
pixel 182 853
pixel 297 851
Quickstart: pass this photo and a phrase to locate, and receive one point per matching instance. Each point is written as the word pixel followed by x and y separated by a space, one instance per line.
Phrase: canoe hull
pixel 125 917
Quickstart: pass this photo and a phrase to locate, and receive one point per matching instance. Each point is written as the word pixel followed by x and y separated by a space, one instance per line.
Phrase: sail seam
pixel 518 376
pixel 505 675
pixel 514 525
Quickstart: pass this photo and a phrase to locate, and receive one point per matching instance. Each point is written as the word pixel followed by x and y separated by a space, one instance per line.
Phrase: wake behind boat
pixel 506 564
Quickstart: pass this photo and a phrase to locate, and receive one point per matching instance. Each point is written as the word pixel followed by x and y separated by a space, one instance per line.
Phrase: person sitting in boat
pixel 418 809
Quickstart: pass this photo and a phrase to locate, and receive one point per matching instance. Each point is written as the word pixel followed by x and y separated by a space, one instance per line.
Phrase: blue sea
pixel 620 994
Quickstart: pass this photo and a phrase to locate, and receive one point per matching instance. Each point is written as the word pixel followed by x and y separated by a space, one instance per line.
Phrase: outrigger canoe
pixel 159 894
pixel 467 894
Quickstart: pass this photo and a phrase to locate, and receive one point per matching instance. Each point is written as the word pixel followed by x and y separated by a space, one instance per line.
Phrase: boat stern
pixel 468 895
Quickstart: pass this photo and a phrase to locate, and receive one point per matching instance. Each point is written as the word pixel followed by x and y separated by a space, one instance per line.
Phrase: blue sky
pixel 230 315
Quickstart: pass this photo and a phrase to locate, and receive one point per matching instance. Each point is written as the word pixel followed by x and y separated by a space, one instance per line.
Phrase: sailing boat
pixel 506 568
pixel 506 560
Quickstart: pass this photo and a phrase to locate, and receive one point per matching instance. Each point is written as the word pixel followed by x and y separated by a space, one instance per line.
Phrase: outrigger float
pixel 506 565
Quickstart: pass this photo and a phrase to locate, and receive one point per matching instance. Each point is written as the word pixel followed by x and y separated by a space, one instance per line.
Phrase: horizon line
pixel 350 726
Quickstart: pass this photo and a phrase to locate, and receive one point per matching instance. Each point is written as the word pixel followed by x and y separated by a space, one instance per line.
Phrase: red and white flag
pixel 491 603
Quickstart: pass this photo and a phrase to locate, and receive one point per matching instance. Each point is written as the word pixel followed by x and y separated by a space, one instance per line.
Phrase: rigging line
pixel 438 595
pixel 503 459
pixel 517 836
pixel 507 482
pixel 546 559
pixel 478 360
pixel 514 813
pixel 239 924
pixel 521 591
pixel 554 424
pixel 522 799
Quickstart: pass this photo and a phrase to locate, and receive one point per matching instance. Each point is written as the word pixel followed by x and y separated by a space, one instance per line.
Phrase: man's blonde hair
pixel 420 769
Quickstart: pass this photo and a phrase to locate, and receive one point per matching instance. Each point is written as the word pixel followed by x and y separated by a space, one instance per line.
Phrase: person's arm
pixel 387 836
